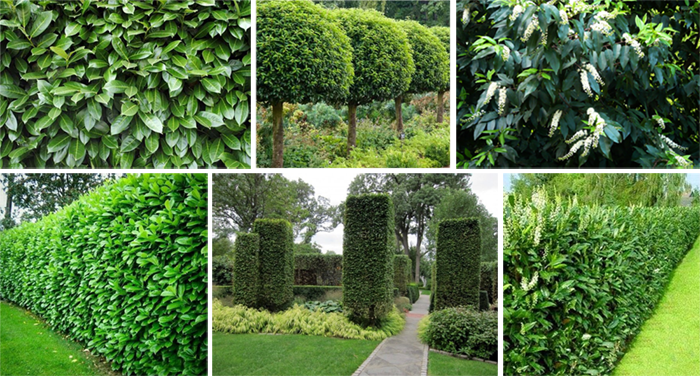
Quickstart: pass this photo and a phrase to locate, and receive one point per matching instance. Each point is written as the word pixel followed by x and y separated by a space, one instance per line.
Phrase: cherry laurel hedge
pixel 124 84
pixel 457 263
pixel 122 270
pixel 580 281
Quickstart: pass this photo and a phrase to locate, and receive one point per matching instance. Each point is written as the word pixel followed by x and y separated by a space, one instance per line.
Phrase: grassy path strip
pixel 257 354
pixel 669 342
pixel 29 347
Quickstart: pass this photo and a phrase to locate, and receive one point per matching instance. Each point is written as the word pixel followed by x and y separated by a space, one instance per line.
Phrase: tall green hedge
pixel 368 248
pixel 579 281
pixel 489 279
pixel 122 270
pixel 457 263
pixel 245 269
pixel 125 84
pixel 276 263
pixel 318 269
pixel 401 279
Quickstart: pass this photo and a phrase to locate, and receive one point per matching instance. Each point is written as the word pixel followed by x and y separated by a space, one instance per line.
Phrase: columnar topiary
pixel 401 263
pixel 432 63
pixel 443 33
pixel 489 279
pixel 122 270
pixel 275 263
pixel 302 56
pixel 381 59
pixel 368 247
pixel 457 263
pixel 433 284
pixel 245 269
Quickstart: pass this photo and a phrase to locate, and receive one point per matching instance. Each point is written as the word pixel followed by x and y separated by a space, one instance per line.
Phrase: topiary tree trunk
pixel 277 135
pixel 399 116
pixel 352 126
pixel 440 106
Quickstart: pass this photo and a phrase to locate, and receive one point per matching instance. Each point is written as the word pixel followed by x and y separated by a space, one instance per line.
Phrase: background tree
pixel 302 56
pixel 33 196
pixel 607 189
pixel 381 59
pixel 240 199
pixel 431 61
pixel 443 33
pixel 595 84
pixel 222 246
pixel 427 12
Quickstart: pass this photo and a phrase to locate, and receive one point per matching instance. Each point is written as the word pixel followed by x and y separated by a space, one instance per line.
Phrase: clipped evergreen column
pixel 276 263
pixel 245 269
pixel 368 245
pixel 401 276
pixel 458 263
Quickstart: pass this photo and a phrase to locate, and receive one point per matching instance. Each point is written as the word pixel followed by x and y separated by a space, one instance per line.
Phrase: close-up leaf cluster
pixel 579 281
pixel 122 270
pixel 125 84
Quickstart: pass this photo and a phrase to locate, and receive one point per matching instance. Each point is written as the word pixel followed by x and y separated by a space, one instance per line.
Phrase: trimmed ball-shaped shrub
pixel 457 263
pixel 245 269
pixel 431 60
pixel 275 263
pixel 368 246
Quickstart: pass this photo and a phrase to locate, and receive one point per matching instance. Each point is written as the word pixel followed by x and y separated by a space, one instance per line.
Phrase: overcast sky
pixel 333 185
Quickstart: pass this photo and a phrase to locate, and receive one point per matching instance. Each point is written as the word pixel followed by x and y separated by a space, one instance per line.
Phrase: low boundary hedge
pixel 318 269
pixel 457 263
pixel 579 281
pixel 122 270
pixel 314 292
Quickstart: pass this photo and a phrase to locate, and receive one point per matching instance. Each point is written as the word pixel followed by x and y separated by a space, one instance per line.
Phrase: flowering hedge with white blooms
pixel 579 280
pixel 547 62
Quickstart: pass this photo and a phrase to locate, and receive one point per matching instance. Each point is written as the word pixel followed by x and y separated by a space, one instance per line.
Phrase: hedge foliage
pixel 402 272
pixel 579 281
pixel 489 280
pixel 413 292
pixel 275 263
pixel 318 269
pixel 122 270
pixel 431 60
pixel 461 331
pixel 125 84
pixel 483 300
pixel 245 281
pixel 315 292
pixel 457 263
pixel 368 248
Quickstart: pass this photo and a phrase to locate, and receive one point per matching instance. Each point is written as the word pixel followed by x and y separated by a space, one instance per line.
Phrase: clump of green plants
pixel 122 270
pixel 327 306
pixel 579 281
pixel 462 331
pixel 299 320
pixel 403 304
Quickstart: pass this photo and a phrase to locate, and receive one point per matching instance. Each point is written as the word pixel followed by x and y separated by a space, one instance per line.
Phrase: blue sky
pixel 692 178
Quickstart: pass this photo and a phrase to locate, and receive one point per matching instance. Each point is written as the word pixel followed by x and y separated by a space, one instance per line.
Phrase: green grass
pixel 669 342
pixel 29 347
pixel 425 291
pixel 258 354
pixel 445 365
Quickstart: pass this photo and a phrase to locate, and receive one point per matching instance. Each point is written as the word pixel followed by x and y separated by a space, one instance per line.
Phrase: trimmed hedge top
pixel 303 56
pixel 122 270
pixel 125 84
pixel 368 248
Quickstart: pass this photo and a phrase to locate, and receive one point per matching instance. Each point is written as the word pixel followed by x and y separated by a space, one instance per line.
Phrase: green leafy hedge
pixel 457 263
pixel 489 279
pixel 368 248
pixel 318 269
pixel 461 331
pixel 483 300
pixel 401 273
pixel 275 263
pixel 413 292
pixel 314 292
pixel 122 270
pixel 125 84
pixel 580 281
pixel 245 280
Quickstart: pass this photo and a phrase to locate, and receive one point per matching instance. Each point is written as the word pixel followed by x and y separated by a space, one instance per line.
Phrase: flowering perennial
pixel 564 17
pixel 534 24
pixel 585 139
pixel 517 11
pixel 594 73
pixel 555 122
pixel 584 82
pixel 661 123
pixel 506 53
pixel 501 101
pixel 490 92
pixel 672 144
pixel 633 42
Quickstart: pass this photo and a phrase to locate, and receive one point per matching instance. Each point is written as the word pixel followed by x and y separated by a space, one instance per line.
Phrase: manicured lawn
pixel 257 354
pixel 425 292
pixel 669 342
pixel 29 347
pixel 445 365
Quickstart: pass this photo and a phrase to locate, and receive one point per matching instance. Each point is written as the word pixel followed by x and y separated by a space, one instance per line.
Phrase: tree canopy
pixel 429 56
pixel 598 83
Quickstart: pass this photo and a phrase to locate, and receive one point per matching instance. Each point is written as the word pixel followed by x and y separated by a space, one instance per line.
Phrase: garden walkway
pixel 402 354
pixel 668 343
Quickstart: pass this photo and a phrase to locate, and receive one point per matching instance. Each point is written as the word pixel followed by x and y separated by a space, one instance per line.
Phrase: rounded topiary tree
pixel 381 59
pixel 431 61
pixel 443 33
pixel 302 56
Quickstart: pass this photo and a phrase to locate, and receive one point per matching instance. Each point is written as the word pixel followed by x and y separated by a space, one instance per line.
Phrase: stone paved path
pixel 403 354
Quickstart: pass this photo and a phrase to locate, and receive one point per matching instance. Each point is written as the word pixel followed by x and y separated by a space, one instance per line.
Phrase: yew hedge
pixel 579 281
pixel 124 84
pixel 122 270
